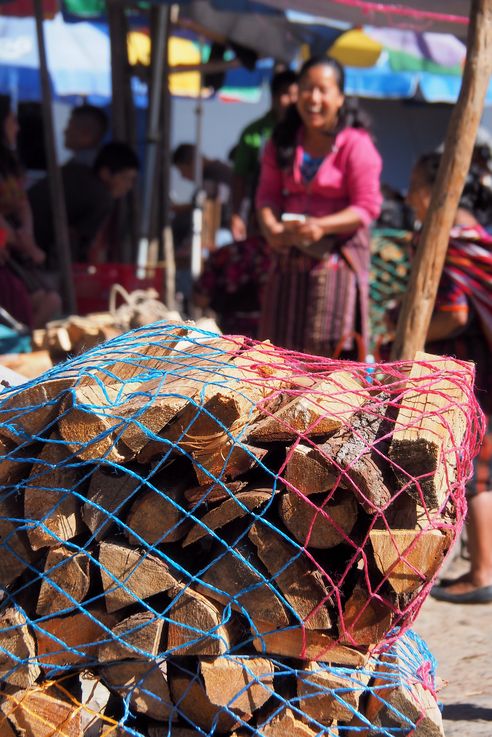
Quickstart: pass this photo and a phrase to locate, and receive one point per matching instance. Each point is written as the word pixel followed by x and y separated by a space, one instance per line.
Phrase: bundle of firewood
pixel 178 510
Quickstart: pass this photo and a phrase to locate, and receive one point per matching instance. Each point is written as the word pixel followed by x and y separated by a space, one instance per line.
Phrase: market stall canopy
pixel 79 63
pixel 422 15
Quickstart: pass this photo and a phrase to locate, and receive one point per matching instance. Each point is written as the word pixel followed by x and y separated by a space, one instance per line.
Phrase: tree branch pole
pixel 428 264
pixel 57 197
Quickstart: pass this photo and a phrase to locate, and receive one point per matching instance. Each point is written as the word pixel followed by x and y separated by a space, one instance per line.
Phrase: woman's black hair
pixel 9 163
pixel 476 196
pixel 349 116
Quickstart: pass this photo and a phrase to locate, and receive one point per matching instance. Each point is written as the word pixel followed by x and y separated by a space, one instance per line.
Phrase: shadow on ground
pixel 467 712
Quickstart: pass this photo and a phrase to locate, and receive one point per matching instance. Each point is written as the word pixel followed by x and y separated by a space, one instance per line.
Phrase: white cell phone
pixel 292 217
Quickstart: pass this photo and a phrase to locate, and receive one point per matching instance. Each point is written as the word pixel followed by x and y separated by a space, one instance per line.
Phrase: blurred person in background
pixel 248 151
pixel 85 132
pixel 461 326
pixel 89 197
pixel 318 192
pixel 19 253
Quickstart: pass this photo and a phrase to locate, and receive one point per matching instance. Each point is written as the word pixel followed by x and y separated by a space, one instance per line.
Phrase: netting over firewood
pixel 225 535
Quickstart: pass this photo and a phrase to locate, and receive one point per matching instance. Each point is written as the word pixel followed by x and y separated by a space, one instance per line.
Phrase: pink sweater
pixel 347 177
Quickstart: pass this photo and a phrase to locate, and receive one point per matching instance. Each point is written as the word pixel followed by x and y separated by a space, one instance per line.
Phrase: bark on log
pixel 325 407
pixel 307 472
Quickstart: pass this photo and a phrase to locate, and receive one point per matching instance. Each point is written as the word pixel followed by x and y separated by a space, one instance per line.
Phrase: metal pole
pixel 159 68
pixel 197 215
pixel 59 212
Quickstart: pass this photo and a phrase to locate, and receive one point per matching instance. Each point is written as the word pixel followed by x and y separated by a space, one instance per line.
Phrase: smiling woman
pixel 321 163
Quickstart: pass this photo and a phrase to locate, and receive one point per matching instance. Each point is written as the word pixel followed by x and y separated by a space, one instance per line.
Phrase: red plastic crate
pixel 93 283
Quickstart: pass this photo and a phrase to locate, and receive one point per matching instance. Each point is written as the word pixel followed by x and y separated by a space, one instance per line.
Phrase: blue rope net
pixel 193 521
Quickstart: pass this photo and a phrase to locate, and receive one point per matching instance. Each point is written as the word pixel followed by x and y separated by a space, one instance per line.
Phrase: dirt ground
pixel 460 638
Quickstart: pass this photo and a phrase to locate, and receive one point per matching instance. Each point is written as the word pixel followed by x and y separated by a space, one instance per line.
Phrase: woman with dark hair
pixel 18 250
pixel 318 192
pixel 461 326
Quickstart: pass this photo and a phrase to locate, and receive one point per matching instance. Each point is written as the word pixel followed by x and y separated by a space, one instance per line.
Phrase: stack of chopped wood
pixel 177 513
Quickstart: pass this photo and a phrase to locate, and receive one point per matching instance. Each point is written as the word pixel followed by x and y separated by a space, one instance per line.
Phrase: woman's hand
pixel 308 232
pixel 278 237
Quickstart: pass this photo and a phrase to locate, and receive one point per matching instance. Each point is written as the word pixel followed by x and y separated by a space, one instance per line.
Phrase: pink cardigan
pixel 348 177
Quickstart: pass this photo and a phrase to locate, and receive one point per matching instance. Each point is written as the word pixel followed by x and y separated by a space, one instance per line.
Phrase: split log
pixel 238 506
pixel 16 554
pixel 241 684
pixel 214 491
pixel 108 492
pixel 49 498
pixel 409 558
pixel 225 458
pixel 352 450
pixel 15 460
pixel 129 576
pixel 286 723
pixel 42 712
pixel 308 472
pixel 31 365
pixel 365 620
pixel 30 410
pixel 88 422
pixel 321 520
pixel 17 649
pixel 393 701
pixel 139 636
pixel 6 728
pixel 94 697
pixel 196 625
pixel 296 576
pixel 303 644
pixel 234 578
pixel 65 581
pixel 326 696
pixel 157 516
pixel 318 410
pixel 73 639
pixel 429 429
pixel 134 667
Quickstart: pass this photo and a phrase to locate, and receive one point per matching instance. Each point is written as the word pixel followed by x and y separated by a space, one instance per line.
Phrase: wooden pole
pixel 428 264
pixel 58 209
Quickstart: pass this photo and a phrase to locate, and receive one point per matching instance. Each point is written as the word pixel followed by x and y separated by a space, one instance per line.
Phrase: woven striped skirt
pixel 311 305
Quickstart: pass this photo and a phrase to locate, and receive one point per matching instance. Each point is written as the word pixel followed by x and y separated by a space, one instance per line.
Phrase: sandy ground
pixel 460 638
